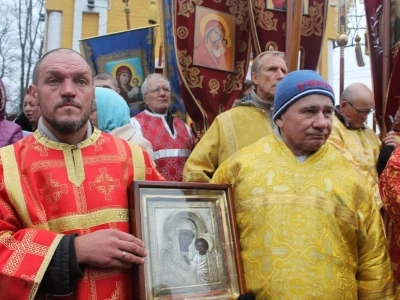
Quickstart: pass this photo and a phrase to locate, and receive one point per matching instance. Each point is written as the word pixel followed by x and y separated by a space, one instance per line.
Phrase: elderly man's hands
pixel 109 248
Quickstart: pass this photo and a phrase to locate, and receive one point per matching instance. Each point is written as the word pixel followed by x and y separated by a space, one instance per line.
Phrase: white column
pixel 54 26
pixel 100 7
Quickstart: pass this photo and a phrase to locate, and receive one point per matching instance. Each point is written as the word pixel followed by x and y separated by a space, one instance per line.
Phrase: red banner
pixel 386 106
pixel 212 48
pixel 269 28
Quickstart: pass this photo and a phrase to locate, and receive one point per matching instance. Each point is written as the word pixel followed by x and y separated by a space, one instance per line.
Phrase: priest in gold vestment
pixel 308 225
pixel 64 217
pixel 353 137
pixel 248 120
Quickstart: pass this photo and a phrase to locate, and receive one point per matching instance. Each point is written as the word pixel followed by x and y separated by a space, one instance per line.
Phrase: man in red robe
pixel 63 195
pixel 171 138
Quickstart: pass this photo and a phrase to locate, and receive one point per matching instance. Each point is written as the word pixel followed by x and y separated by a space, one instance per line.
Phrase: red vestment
pixel 170 150
pixel 389 187
pixel 48 189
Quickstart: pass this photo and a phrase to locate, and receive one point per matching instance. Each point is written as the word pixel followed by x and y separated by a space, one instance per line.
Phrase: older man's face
pixel 272 70
pixel 306 125
pixel 158 97
pixel 356 110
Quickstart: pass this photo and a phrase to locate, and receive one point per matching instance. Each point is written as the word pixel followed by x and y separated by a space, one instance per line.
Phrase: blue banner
pixel 170 66
pixel 126 55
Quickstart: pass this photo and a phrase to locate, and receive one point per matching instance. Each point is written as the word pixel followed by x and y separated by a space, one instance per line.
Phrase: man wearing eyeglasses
pixel 170 137
pixel 353 136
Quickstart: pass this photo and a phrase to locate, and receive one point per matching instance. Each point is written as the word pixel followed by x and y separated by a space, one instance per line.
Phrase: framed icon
pixel 190 234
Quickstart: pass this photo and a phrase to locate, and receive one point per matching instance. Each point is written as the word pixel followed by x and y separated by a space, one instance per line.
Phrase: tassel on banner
pixel 153 13
pixel 359 54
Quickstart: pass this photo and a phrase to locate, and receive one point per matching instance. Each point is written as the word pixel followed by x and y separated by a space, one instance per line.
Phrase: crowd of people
pixel 310 180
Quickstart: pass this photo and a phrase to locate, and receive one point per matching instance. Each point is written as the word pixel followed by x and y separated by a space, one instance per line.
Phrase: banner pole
pixel 127 13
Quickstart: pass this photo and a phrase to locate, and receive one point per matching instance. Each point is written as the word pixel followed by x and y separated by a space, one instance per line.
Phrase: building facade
pixel 68 21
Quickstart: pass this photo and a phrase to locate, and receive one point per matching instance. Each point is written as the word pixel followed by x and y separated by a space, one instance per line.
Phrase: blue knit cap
pixel 297 85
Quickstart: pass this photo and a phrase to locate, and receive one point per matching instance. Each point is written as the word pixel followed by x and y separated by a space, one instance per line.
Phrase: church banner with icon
pixel 212 43
pixel 126 55
pixel 268 19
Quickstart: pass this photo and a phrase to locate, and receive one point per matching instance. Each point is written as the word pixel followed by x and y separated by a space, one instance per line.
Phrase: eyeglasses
pixel 362 112
pixel 158 90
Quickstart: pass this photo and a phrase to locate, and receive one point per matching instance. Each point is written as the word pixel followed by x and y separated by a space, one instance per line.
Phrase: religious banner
pixel 268 25
pixel 171 71
pixel 126 55
pixel 212 48
pixel 386 106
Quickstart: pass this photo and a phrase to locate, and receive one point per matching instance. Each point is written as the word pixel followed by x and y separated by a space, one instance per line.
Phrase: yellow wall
pixel 90 25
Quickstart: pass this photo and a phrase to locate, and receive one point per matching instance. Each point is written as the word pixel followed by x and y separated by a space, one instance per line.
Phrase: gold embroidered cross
pixel 21 248
pixel 104 183
pixel 52 190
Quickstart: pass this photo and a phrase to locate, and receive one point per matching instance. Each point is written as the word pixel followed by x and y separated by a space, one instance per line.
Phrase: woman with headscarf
pixel 9 131
pixel 110 113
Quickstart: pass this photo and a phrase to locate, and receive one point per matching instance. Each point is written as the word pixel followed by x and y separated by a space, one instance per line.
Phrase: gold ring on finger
pixel 123 255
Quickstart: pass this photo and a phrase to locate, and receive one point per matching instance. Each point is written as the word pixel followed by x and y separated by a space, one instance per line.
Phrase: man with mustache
pixel 352 136
pixel 308 225
pixel 247 121
pixel 64 227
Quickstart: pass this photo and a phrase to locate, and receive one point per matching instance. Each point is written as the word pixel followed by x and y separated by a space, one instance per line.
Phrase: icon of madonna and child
pixel 214 37
pixel 191 258
pixel 129 75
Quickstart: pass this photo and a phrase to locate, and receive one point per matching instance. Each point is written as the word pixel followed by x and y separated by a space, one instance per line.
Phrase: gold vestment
pixel 363 145
pixel 307 230
pixel 230 132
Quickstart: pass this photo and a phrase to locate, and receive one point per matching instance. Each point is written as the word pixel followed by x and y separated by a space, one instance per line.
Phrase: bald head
pixel 357 102
pixel 358 92
pixel 71 52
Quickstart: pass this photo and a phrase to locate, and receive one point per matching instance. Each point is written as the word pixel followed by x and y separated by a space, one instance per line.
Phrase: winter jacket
pixel 9 131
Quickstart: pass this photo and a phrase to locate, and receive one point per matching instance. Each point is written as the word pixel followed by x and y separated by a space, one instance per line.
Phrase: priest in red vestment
pixel 64 227
pixel 171 138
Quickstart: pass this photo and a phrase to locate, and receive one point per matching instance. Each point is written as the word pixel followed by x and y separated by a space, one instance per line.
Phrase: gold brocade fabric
pixel 307 230
pixel 224 138
pixel 361 147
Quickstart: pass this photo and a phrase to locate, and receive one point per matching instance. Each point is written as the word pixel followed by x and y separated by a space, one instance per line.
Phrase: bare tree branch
pixel 21 45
